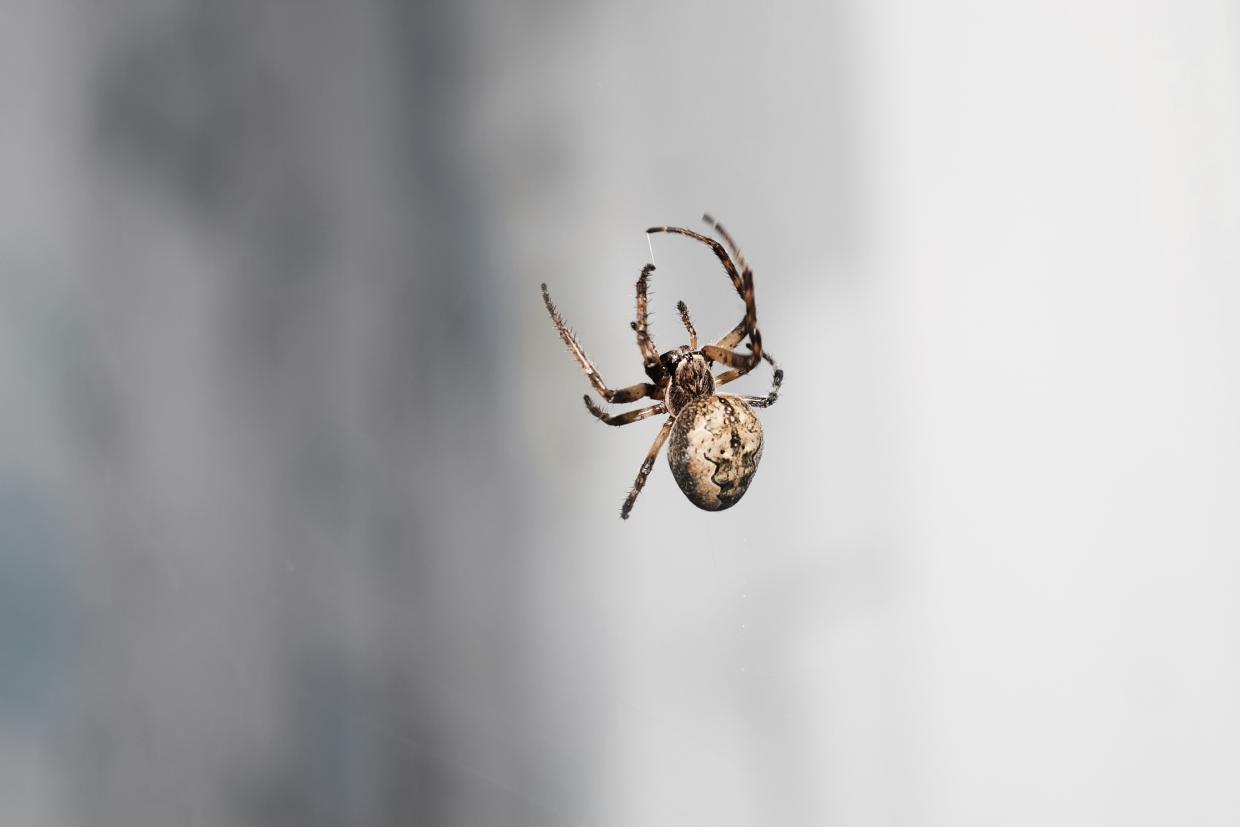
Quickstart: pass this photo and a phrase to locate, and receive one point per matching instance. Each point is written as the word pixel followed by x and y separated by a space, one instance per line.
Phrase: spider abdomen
pixel 715 446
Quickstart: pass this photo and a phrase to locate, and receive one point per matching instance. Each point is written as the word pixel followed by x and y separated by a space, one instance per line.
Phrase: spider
pixel 716 438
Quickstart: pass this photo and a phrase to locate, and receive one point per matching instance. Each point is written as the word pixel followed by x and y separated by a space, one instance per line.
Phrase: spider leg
pixel 734 337
pixel 741 362
pixel 630 394
pixel 647 464
pixel 743 282
pixel 761 401
pixel 727 239
pixel 757 401
pixel 650 354
pixel 714 245
pixel 624 418
pixel 732 375
pixel 737 333
pixel 684 317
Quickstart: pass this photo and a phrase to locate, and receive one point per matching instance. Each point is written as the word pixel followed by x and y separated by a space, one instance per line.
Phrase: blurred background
pixel 302 521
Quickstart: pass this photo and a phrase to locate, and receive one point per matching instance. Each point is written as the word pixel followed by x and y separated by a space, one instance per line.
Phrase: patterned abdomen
pixel 714 449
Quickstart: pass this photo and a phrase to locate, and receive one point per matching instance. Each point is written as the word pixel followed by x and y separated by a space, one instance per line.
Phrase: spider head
pixel 690 376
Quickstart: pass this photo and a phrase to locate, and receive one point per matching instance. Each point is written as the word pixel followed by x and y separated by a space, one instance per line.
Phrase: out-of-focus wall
pixel 1057 259
pixel 301 520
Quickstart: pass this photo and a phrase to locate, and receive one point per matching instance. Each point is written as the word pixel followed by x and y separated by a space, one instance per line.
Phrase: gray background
pixel 301 520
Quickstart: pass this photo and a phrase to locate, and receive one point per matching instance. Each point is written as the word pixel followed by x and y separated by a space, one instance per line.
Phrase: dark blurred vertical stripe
pixel 341 550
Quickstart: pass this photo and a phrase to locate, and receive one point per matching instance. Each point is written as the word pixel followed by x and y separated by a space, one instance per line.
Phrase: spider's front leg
pixel 743 282
pixel 735 249
pixel 650 354
pixel 644 471
pixel 715 247
pixel 741 362
pixel 630 394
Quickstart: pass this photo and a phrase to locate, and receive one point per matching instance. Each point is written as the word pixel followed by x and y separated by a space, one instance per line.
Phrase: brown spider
pixel 716 438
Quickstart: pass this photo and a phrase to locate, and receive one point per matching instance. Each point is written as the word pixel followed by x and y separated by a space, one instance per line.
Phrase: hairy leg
pixel 741 363
pixel 684 317
pixel 733 375
pixel 715 246
pixel 733 337
pixel 757 401
pixel 624 418
pixel 650 354
pixel 743 282
pixel 647 464
pixel 630 394
pixel 727 239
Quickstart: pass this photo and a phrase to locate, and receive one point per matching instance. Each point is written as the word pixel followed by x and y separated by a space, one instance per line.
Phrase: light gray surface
pixel 302 521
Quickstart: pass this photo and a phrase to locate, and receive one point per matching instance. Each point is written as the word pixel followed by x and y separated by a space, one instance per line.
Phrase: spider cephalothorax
pixel 689 379
pixel 716 438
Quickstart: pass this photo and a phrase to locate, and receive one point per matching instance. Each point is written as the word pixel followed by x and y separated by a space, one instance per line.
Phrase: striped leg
pixel 650 354
pixel 733 338
pixel 743 282
pixel 714 245
pixel 684 317
pixel 624 418
pixel 727 239
pixel 757 401
pixel 644 472
pixel 630 394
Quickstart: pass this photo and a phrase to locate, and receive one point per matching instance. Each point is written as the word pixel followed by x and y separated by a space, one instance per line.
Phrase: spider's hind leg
pixel 644 471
